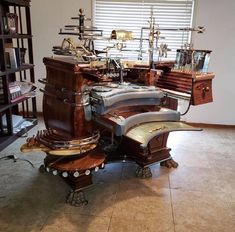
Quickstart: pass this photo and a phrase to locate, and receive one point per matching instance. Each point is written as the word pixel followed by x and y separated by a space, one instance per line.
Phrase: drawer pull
pixel 206 89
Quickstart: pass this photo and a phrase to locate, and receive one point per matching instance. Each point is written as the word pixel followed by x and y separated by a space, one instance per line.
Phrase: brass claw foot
pixel 169 163
pixel 143 172
pixel 42 168
pixel 76 198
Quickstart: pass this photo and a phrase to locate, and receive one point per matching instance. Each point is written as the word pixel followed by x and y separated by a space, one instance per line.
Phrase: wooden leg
pixel 76 198
pixel 169 163
pixel 78 182
pixel 143 173
pixel 42 168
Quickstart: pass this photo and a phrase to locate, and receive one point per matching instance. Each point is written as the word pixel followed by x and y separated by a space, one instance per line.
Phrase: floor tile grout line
pixel 116 196
pixel 172 208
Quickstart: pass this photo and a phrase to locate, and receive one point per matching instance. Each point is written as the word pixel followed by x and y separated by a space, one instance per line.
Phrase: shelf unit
pixel 19 38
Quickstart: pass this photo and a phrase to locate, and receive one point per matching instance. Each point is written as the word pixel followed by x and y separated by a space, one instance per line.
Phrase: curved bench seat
pixel 144 133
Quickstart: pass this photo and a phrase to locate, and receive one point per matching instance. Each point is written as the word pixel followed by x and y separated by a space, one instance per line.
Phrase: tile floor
pixel 198 196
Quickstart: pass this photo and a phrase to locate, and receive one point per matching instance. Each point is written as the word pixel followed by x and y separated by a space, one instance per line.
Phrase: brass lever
pixel 157 128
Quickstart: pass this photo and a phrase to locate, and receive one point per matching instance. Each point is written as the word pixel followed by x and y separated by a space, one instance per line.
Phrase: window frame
pixel 192 21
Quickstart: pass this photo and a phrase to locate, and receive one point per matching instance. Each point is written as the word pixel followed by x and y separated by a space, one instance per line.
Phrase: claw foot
pixel 76 198
pixel 143 172
pixel 42 168
pixel 169 163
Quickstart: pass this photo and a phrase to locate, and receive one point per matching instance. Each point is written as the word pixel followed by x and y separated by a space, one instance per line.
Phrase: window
pixel 131 15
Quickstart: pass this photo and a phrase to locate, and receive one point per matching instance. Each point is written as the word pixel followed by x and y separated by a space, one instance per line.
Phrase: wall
pixel 216 15
pixel 218 18
pixel 48 16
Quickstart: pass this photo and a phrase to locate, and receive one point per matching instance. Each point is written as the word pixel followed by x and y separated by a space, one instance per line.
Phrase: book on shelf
pixel 20 89
pixel 18 57
pixel 15 91
pixel 10 58
pixel 13 57
pixel 17 98
pixel 1 97
pixel 1 93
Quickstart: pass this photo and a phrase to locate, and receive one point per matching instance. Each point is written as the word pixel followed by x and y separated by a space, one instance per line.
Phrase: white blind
pixel 131 15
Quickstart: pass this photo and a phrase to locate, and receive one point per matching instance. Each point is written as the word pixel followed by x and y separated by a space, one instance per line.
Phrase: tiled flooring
pixel 197 196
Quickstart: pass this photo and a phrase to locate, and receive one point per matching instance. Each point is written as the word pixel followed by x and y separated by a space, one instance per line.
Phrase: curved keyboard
pixel 105 99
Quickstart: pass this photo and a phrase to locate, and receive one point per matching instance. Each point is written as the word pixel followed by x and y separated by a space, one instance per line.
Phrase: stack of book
pixel 15 92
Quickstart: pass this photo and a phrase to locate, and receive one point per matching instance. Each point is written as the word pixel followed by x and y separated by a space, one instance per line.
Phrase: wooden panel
pixel 156 143
pixel 61 108
pixel 155 152
pixel 196 85
pixel 175 81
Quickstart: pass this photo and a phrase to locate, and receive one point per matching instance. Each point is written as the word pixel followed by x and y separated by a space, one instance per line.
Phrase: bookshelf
pixel 16 69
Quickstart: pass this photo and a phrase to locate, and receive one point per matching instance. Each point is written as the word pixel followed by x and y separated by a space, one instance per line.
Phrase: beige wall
pixel 216 15
pixel 48 16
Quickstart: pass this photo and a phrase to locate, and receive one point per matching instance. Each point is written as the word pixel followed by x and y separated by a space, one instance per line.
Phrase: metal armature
pixel 88 34
pixel 78 50
pixel 154 35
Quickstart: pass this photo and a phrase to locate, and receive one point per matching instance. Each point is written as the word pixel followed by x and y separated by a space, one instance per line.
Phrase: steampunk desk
pixel 90 120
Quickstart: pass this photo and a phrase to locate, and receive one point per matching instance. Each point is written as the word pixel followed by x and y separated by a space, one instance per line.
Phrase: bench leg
pixel 143 172
pixel 169 163
pixel 76 198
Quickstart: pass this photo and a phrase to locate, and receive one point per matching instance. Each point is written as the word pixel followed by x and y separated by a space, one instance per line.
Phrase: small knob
pixel 206 89
pixel 76 174
pixel 55 172
pixel 65 174
pixel 87 172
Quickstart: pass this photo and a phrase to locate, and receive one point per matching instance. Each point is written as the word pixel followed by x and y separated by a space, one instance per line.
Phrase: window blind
pixel 131 15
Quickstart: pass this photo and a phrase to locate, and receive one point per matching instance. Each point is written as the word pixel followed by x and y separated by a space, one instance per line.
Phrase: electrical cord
pixel 14 158
pixel 187 110
pixel 190 100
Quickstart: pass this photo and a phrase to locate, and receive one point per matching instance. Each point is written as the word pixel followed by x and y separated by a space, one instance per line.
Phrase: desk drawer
pixel 202 92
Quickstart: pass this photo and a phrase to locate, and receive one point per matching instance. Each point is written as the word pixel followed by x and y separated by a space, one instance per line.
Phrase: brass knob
pixel 206 89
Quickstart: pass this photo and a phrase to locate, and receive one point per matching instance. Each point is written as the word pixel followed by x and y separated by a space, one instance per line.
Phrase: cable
pixel 190 100
pixel 186 111
pixel 14 158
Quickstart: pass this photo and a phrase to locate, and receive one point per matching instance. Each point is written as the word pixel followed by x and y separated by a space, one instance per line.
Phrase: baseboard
pixel 206 125
pixel 195 124
pixel 40 114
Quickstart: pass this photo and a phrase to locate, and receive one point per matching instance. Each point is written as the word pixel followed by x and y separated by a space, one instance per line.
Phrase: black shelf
pixel 21 68
pixel 26 97
pixel 6 140
pixel 16 36
pixel 22 38
pixel 17 2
